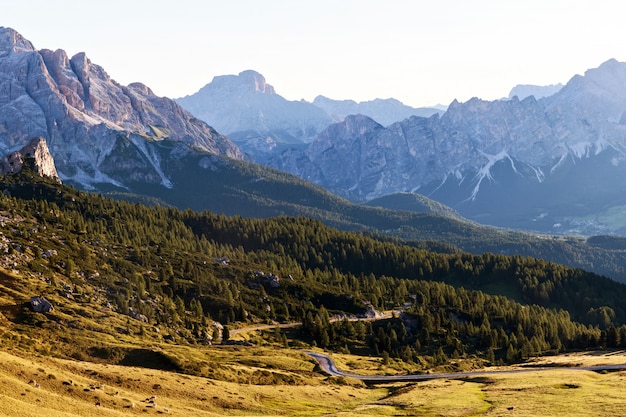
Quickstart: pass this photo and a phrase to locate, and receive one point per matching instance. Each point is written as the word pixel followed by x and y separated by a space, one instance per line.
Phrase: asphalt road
pixel 329 366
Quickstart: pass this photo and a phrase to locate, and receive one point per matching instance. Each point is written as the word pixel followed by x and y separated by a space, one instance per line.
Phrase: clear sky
pixel 420 52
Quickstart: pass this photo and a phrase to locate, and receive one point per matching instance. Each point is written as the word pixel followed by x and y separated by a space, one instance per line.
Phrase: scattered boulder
pixel 40 304
pixel 223 260
pixel 137 315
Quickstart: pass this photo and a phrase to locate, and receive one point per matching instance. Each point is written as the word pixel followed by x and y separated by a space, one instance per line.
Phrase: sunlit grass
pixel 261 380
pixel 557 392
pixel 118 387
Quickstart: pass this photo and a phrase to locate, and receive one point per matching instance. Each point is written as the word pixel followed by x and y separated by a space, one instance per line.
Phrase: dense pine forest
pixel 183 270
pixel 250 190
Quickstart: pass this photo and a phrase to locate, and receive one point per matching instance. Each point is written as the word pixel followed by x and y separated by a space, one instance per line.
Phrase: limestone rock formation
pixel 97 130
pixel 38 151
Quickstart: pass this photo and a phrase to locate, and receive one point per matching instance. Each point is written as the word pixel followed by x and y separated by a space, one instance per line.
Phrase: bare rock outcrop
pixel 41 304
pixel 38 151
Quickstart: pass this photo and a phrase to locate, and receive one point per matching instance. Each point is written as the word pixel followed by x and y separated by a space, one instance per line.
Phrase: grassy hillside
pixel 110 390
pixel 144 296
pixel 413 202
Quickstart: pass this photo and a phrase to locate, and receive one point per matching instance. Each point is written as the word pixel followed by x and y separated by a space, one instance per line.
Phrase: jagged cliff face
pixel 418 151
pixel 38 151
pixel 98 130
pixel 531 163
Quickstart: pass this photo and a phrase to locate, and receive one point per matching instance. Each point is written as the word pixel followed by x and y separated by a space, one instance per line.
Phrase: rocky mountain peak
pixel 356 124
pixel 11 42
pixel 144 89
pixel 599 92
pixel 246 83
pixel 256 80
pixel 609 74
pixel 250 112
pixel 37 149
pixel 99 131
pixel 609 64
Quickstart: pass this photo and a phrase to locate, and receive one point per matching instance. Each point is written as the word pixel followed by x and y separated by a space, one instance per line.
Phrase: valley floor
pixel 40 385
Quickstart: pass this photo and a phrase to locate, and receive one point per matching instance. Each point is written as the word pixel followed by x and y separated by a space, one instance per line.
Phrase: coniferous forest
pixel 182 270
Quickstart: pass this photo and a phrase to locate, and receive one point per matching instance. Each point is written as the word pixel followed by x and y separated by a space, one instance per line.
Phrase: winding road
pixel 329 366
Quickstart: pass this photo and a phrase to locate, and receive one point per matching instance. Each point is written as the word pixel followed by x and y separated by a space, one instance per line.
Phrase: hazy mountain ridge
pixel 383 111
pixel 488 158
pixel 521 91
pixel 88 118
pixel 263 123
pixel 248 109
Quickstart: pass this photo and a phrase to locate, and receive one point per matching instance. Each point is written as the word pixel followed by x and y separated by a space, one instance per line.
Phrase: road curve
pixel 329 366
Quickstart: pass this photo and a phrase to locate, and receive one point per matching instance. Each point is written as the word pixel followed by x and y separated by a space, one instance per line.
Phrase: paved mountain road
pixel 329 366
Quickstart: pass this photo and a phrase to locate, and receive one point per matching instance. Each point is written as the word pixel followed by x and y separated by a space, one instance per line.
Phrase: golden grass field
pixel 35 385
pixel 264 380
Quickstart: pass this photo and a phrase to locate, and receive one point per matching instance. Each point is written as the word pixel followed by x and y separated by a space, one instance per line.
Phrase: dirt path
pixel 379 316
pixel 263 327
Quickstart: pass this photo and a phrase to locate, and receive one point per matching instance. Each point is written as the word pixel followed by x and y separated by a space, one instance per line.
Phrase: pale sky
pixel 419 52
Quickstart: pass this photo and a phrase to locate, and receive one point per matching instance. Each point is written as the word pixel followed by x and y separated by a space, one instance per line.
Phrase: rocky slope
pixel 550 164
pixel 98 131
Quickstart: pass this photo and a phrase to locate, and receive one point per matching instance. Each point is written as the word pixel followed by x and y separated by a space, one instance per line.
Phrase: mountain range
pixel 130 144
pixel 261 122
pixel 548 158
pixel 384 111
pixel 554 164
